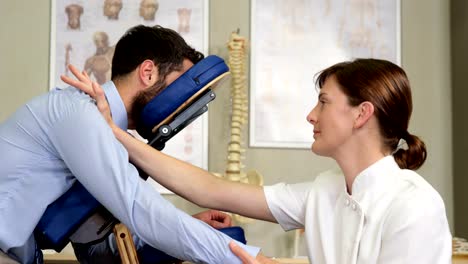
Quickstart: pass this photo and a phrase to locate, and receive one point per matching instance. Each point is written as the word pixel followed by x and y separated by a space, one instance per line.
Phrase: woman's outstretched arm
pixel 195 184
pixel 184 179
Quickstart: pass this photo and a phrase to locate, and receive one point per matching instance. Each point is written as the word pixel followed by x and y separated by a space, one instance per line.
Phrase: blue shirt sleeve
pixel 93 155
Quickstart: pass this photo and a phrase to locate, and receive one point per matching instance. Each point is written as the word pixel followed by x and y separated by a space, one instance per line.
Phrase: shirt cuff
pixel 252 251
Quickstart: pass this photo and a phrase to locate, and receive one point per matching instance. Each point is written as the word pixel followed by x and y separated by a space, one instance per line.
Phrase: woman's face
pixel 333 120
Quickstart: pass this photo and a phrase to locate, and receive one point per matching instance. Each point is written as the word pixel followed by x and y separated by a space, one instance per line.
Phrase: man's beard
pixel 139 103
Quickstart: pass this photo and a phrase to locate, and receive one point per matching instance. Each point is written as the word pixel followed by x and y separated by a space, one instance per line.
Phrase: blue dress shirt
pixel 60 137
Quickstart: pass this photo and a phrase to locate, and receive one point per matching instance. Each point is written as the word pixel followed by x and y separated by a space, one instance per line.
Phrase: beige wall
pixel 24 52
pixel 426 58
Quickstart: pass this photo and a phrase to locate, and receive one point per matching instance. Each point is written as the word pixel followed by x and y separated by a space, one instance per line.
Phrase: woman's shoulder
pixel 417 219
pixel 411 183
pixel 415 196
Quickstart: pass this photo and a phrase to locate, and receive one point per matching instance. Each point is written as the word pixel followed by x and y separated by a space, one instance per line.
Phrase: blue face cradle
pixel 189 85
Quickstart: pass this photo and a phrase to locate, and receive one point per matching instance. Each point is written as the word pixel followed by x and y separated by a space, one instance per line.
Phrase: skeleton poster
pixel 292 41
pixel 84 33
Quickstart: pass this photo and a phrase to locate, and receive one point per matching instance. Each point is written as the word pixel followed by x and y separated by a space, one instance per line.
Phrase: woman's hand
pixel 214 218
pixel 93 89
pixel 246 258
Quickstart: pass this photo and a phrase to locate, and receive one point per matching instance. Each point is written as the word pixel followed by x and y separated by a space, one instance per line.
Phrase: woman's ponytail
pixel 414 156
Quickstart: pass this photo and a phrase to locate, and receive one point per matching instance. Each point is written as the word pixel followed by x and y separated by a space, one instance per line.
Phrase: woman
pixel 376 209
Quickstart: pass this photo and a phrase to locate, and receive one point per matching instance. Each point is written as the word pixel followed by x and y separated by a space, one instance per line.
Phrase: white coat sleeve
pixel 416 230
pixel 287 203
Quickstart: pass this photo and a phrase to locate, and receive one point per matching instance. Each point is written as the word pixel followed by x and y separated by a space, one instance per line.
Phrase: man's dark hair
pixel 165 47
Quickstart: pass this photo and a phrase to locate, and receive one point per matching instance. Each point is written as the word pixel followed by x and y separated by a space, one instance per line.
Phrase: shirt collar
pixel 378 174
pixel 116 105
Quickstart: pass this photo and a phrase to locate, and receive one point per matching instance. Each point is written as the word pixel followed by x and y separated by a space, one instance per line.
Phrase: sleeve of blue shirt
pixel 89 149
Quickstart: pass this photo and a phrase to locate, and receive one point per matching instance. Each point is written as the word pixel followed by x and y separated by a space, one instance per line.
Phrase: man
pixel 61 137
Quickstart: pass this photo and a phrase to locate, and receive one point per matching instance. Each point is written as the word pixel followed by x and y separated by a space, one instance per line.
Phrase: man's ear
pixel 148 72
pixel 366 110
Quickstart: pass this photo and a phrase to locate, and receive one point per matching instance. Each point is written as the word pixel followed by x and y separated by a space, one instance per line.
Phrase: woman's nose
pixel 312 117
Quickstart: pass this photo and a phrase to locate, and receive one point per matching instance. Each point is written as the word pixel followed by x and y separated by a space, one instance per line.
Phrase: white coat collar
pixel 376 176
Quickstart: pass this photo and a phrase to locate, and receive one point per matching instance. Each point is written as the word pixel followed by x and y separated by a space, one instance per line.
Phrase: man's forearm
pixel 167 228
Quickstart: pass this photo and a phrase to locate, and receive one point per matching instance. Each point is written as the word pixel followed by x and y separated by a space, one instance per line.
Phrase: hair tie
pixel 401 145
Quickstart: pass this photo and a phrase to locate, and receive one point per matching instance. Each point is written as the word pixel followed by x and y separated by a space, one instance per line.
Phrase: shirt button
pixel 353 207
pixel 346 202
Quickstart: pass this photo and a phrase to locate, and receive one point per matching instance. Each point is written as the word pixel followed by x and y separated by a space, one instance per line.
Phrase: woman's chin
pixel 315 149
pixel 318 150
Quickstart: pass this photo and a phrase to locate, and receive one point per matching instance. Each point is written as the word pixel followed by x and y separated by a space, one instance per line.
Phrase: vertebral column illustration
pixel 237 46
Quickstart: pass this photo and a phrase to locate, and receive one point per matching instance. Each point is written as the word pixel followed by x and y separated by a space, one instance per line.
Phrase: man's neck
pixel 127 93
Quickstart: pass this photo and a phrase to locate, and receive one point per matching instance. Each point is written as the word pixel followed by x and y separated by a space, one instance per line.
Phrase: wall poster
pixel 292 41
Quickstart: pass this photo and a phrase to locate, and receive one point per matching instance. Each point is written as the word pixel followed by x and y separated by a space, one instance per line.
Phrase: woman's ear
pixel 147 73
pixel 366 110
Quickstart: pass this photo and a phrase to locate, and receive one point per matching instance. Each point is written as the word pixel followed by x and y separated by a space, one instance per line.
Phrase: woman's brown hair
pixel 387 87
